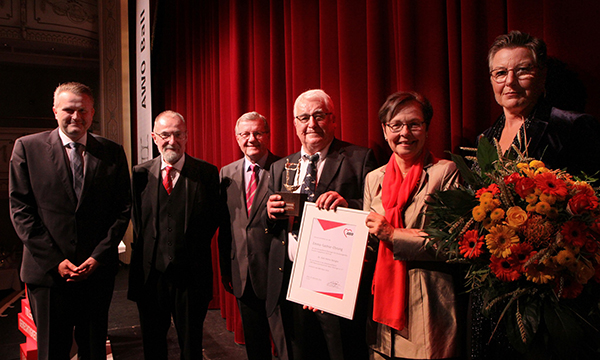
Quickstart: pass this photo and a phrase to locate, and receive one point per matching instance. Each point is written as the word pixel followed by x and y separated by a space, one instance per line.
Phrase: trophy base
pixel 294 203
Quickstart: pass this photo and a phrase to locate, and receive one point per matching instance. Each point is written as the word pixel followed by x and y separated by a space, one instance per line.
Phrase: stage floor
pixel 124 331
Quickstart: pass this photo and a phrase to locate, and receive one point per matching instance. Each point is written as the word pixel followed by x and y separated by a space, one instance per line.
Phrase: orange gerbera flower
pixel 539 273
pixel 505 269
pixel 471 244
pixel 569 289
pixel 549 184
pixel 500 239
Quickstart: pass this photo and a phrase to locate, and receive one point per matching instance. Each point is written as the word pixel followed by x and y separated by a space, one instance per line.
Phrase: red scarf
pixel 390 278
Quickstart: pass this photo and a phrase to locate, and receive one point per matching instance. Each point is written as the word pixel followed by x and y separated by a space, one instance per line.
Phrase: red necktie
pixel 167 181
pixel 251 190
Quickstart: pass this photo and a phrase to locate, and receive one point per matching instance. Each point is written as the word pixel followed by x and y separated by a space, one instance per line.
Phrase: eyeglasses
pixel 318 116
pixel 411 126
pixel 521 73
pixel 167 135
pixel 257 134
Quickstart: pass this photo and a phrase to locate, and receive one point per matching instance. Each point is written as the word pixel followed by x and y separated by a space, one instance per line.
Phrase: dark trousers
pixel 186 303
pixel 256 326
pixel 70 310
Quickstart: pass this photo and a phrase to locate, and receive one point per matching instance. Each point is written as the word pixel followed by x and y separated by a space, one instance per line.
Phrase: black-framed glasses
pixel 319 116
pixel 521 72
pixel 257 134
pixel 177 135
pixel 414 126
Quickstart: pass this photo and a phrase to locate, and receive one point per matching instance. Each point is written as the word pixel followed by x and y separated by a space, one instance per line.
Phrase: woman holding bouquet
pixel 415 305
pixel 518 65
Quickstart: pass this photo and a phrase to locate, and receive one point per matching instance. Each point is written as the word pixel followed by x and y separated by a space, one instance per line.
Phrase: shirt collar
pixel 66 140
pixel 322 153
pixel 261 162
pixel 177 166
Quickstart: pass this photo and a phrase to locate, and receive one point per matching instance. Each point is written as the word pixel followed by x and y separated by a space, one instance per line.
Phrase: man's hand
pixel 276 207
pixel 87 268
pixel 67 270
pixel 330 201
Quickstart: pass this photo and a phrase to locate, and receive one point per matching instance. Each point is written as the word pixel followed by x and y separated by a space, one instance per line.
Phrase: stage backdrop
pixel 215 59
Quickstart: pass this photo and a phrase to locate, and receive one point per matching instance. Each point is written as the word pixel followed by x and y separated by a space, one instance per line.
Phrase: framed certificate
pixel 329 262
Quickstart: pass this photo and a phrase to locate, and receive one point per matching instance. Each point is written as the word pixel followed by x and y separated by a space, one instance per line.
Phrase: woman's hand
pixel 380 227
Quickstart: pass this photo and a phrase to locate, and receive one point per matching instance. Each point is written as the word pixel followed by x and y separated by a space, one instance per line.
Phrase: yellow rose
pixel 478 213
pixel 515 216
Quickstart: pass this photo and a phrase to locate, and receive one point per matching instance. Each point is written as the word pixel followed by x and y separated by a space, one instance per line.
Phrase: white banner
pixel 143 82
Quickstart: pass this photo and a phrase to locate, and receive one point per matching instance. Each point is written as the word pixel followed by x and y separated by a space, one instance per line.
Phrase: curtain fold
pixel 214 60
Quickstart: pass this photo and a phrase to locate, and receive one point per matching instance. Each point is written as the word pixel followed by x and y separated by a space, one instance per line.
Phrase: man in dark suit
pixel 176 207
pixel 70 205
pixel 333 178
pixel 243 243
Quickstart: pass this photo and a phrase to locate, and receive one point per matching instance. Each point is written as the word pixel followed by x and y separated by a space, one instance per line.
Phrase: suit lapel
pixel 91 163
pixel 332 164
pixel 57 156
pixel 237 177
pixel 190 188
pixel 151 189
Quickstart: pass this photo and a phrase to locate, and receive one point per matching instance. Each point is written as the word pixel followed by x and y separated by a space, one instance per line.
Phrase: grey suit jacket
pixel 243 241
pixel 50 221
pixel 191 261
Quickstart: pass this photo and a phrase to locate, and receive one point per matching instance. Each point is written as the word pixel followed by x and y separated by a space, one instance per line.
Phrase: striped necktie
pixel 76 160
pixel 310 180
pixel 167 180
pixel 251 189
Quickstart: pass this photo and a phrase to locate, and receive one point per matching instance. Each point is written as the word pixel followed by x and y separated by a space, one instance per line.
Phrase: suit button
pixel 282 242
pixel 170 258
pixel 73 242
pixel 280 269
pixel 169 229
pixel 170 243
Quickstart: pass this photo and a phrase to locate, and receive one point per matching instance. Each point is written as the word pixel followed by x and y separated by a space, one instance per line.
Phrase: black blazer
pixel 191 260
pixel 46 215
pixel 243 241
pixel 561 139
pixel 344 171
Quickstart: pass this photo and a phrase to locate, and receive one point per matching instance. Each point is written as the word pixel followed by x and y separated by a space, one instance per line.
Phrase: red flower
pixel 521 253
pixel 570 287
pixel 505 269
pixel 492 188
pixel 524 186
pixel 470 244
pixel 551 185
pixel 582 202
pixel 512 178
pixel 574 233
pixel 591 245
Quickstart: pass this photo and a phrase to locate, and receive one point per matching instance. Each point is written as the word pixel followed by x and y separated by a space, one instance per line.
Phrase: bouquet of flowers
pixel 529 237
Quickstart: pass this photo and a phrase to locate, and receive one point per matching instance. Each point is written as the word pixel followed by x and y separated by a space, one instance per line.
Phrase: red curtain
pixel 214 60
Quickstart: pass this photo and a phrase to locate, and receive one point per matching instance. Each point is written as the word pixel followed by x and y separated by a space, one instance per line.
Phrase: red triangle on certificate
pixel 335 295
pixel 326 224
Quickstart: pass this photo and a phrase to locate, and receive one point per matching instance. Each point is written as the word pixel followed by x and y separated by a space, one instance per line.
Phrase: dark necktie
pixel 310 179
pixel 252 185
pixel 167 181
pixel 76 159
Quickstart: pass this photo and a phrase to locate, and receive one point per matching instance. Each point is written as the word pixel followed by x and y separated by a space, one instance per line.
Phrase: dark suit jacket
pixel 561 139
pixel 46 215
pixel 344 171
pixel 243 242
pixel 191 262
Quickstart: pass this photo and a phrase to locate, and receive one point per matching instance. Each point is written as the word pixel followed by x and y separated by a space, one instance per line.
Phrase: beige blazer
pixel 432 330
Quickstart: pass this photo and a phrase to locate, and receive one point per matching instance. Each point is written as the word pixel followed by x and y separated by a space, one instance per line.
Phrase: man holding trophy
pixel 330 173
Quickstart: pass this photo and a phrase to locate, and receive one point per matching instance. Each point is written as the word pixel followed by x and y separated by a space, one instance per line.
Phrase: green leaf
pixel 530 308
pixel 486 155
pixel 457 200
pixel 465 171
